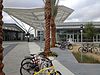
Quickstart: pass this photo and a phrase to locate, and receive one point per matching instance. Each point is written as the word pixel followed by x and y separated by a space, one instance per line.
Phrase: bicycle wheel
pixel 95 50
pixel 45 62
pixel 62 47
pixel 26 69
pixel 81 49
pixel 29 59
pixel 58 73
pixel 70 46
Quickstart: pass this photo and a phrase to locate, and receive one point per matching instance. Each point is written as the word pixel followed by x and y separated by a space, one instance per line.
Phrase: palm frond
pixel 53 2
pixel 54 7
pixel 57 3
pixel 55 11
pixel 44 1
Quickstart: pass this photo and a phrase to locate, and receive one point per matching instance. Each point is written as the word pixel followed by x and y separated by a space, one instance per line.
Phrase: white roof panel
pixel 34 17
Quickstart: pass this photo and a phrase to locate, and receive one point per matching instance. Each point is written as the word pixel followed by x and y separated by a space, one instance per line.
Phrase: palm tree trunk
pixel 53 32
pixel 47 26
pixel 1 39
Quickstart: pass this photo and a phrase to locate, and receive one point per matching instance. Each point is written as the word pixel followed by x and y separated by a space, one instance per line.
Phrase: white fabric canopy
pixel 35 17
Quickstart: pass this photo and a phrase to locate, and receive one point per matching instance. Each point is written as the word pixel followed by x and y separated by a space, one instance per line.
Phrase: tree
pixel 54 8
pixel 89 31
pixel 1 39
pixel 47 25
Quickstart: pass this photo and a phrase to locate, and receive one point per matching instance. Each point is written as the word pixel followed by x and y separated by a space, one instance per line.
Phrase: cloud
pixel 69 3
pixel 23 3
pixel 84 10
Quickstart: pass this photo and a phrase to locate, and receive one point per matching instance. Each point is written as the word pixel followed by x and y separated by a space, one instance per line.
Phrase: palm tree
pixel 47 25
pixel 1 39
pixel 54 8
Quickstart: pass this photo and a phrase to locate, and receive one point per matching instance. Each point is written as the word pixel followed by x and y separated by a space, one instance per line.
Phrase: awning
pixel 35 17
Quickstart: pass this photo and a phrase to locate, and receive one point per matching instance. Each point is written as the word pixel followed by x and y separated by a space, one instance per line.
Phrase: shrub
pixel 50 54
pixel 86 59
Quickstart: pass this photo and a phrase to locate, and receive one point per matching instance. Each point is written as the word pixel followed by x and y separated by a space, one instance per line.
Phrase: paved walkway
pixel 66 58
pixel 35 48
pixel 14 56
pixel 70 66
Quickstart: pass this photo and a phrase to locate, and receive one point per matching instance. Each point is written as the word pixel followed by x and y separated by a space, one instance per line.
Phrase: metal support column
pixel 96 38
pixel 35 32
pixel 77 38
pixel 40 40
pixel 73 38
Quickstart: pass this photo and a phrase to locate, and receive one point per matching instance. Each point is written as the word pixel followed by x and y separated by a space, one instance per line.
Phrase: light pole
pixel 81 30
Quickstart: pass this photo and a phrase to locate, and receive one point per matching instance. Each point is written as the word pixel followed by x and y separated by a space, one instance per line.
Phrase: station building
pixel 12 32
pixel 65 30
pixel 71 30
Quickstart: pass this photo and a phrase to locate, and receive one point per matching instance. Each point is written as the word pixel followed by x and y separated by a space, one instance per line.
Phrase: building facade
pixel 71 30
pixel 12 32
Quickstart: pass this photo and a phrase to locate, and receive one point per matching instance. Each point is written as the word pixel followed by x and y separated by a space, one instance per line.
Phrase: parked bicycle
pixel 31 70
pixel 48 71
pixel 65 44
pixel 36 61
pixel 88 48
pixel 37 65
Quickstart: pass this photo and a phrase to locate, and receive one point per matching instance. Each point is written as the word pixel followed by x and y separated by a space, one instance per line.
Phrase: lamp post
pixel 81 30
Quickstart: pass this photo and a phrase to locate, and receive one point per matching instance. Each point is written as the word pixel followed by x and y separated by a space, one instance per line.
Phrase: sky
pixel 84 10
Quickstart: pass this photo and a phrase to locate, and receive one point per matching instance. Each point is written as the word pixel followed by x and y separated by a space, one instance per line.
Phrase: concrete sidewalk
pixel 35 49
pixel 15 54
pixel 66 59
pixel 14 57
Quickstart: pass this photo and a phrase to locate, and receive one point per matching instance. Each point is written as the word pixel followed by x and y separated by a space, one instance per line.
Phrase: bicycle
pixel 34 58
pixel 83 48
pixel 28 58
pixel 64 44
pixel 48 71
pixel 88 48
pixel 93 49
pixel 37 60
pixel 34 63
pixel 31 66
pixel 45 71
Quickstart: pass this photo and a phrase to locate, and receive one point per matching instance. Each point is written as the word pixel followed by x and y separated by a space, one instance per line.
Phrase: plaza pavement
pixel 35 48
pixel 16 54
pixel 66 58
pixel 65 62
